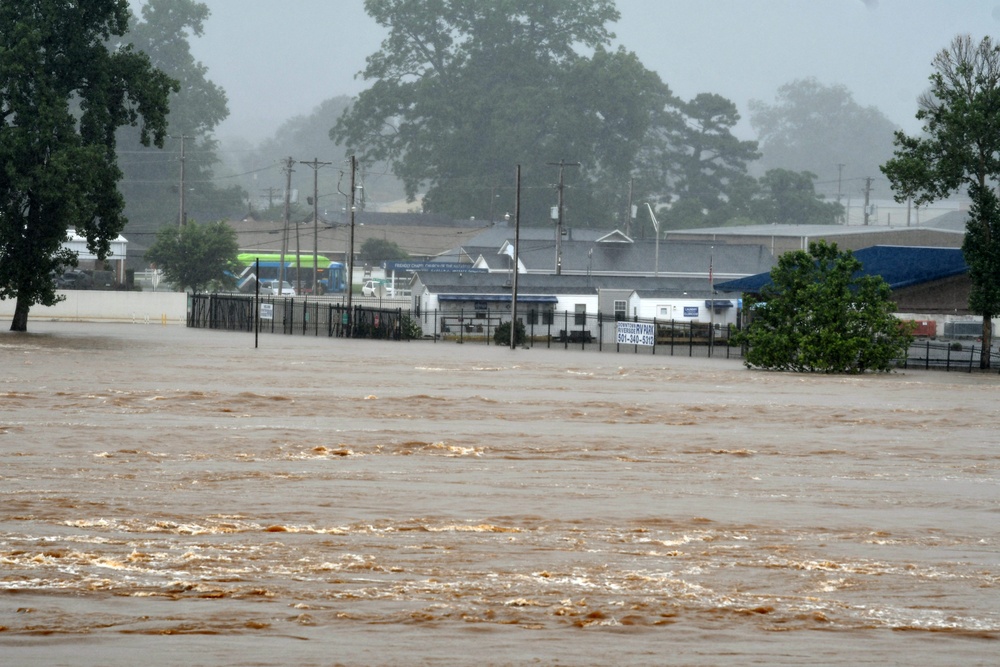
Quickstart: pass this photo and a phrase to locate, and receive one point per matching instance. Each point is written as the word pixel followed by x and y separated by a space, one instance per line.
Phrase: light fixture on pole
pixel 656 227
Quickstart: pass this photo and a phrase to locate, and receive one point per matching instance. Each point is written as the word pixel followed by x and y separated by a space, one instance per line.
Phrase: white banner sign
pixel 267 311
pixel 636 333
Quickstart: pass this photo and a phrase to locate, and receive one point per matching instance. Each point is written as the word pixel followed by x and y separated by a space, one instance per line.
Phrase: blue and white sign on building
pixel 690 311
pixel 636 333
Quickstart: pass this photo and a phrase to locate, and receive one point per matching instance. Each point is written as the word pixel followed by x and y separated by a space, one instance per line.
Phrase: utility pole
pixel 840 173
pixel 182 215
pixel 288 204
pixel 562 164
pixel 270 196
pixel 868 190
pixel 315 164
pixel 350 254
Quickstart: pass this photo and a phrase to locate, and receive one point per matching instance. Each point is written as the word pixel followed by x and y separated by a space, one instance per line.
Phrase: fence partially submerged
pixel 568 330
pixel 330 317
pixel 947 355
pixel 238 312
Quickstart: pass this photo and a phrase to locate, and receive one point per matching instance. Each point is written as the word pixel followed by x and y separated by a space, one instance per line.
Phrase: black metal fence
pixel 580 330
pixel 567 330
pixel 235 312
pixel 330 317
pixel 947 355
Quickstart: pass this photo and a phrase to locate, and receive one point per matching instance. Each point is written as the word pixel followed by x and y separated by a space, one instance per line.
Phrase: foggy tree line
pixel 498 90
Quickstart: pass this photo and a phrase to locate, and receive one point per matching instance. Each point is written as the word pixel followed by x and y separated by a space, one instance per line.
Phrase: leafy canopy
pixel 63 94
pixel 163 32
pixel 812 127
pixel 789 198
pixel 703 164
pixel 197 256
pixel 463 90
pixel 960 148
pixel 819 315
pixel 375 251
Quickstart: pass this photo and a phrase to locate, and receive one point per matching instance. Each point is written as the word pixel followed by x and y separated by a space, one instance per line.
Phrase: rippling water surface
pixel 172 496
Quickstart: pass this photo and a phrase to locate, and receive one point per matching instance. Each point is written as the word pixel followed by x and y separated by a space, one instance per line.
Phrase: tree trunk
pixel 985 353
pixel 20 321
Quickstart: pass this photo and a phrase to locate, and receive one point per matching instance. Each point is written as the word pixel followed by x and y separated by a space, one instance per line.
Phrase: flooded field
pixel 174 496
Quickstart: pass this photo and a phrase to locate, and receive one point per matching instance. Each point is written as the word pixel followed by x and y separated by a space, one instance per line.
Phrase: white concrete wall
pixel 101 306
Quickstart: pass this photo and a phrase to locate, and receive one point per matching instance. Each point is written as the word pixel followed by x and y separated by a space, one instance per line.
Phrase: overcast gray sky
pixel 278 59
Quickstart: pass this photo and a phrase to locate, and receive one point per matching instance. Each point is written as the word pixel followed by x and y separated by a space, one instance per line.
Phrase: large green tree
pixel 705 164
pixel 815 127
pixel 819 315
pixel 960 149
pixel 789 198
pixel 375 251
pixel 197 256
pixel 152 177
pixel 463 90
pixel 63 94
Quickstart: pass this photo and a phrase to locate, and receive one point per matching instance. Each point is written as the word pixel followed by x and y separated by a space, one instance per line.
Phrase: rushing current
pixel 173 496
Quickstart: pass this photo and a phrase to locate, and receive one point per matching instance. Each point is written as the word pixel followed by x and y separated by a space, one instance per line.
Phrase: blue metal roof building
pixel 924 280
pixel 899 266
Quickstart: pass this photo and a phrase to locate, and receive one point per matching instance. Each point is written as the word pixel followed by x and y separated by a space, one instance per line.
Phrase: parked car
pixel 271 287
pixel 74 279
pixel 376 288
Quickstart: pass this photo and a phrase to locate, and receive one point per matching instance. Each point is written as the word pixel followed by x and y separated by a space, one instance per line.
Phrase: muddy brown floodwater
pixel 173 496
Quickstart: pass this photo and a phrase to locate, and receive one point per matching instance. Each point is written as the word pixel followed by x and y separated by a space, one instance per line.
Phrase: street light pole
pixel 656 228
pixel 517 239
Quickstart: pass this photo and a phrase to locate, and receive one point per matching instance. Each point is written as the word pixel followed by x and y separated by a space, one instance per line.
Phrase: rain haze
pixel 278 60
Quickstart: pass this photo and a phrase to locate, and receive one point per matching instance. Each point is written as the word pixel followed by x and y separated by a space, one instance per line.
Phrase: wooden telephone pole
pixel 288 204
pixel 315 164
pixel 562 164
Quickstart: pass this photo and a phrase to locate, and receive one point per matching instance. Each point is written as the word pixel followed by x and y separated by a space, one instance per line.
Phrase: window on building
pixel 581 314
pixel 621 310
